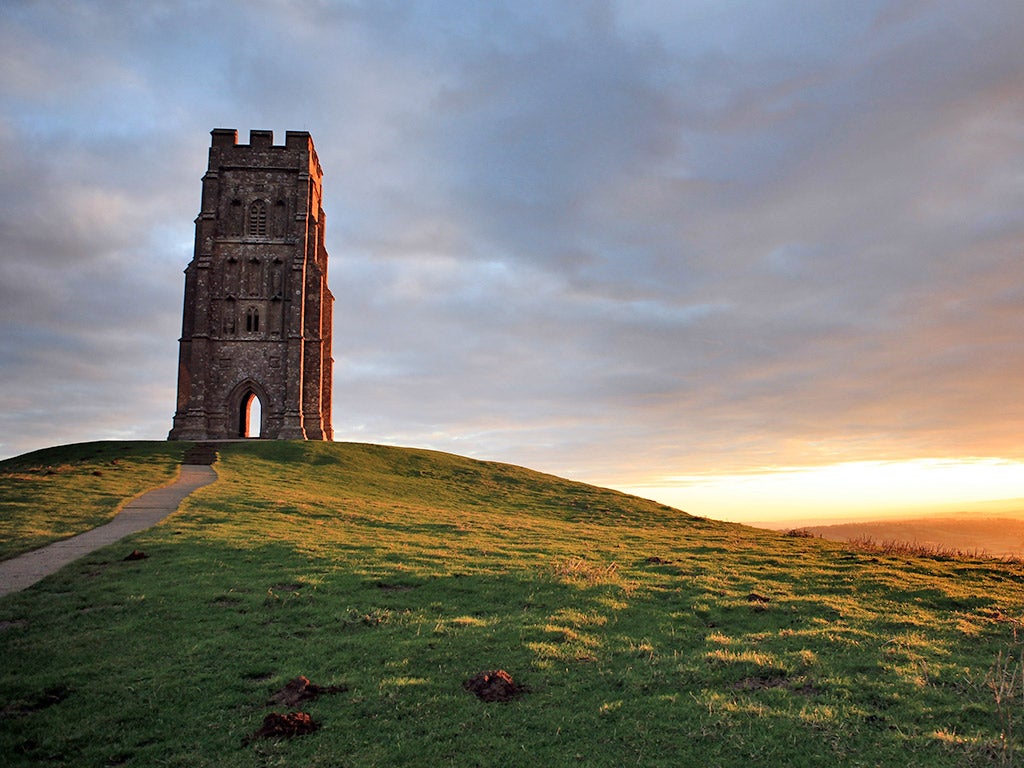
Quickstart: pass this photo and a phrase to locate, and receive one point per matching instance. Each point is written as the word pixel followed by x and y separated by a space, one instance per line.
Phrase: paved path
pixel 147 510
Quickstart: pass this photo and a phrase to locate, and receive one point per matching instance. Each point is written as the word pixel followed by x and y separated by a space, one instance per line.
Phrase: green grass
pixel 645 636
pixel 58 492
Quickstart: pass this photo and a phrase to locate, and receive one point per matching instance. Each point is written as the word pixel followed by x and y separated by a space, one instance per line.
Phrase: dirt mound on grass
pixel 300 689
pixel 285 726
pixel 496 685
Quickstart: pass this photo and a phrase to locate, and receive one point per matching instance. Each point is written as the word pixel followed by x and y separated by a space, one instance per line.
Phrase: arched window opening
pixel 251 416
pixel 252 320
pixel 258 218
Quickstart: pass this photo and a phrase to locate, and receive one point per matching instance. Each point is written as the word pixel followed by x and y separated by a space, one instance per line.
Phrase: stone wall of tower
pixel 257 314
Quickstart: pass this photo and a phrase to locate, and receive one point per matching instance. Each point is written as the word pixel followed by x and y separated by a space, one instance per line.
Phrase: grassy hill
pixel 643 636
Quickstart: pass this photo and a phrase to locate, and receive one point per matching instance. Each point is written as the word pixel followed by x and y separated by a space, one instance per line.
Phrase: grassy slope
pixel 643 634
pixel 57 492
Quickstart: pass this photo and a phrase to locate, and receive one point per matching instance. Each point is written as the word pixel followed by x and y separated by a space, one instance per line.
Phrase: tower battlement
pixel 228 137
pixel 225 143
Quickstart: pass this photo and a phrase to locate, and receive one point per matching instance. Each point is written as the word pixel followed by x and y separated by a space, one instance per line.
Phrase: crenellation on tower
pixel 223 137
pixel 257 311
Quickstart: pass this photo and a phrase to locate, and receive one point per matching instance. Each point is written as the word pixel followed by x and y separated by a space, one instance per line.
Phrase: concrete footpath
pixel 143 512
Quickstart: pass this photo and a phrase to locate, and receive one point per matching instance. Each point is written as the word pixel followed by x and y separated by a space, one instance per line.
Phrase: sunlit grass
pixel 55 493
pixel 644 636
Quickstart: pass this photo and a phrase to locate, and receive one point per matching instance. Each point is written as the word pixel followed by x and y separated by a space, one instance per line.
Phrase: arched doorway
pixel 250 416
pixel 248 410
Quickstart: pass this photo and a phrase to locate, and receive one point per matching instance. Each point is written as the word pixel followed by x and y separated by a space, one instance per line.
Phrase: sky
pixel 753 259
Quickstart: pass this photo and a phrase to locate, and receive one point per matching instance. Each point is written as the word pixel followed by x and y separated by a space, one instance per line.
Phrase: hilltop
pixel 391 577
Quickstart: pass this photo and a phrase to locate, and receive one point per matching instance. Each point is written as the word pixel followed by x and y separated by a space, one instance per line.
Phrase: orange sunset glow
pixel 850 491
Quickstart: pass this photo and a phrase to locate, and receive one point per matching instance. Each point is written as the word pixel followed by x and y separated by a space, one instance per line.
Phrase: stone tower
pixel 257 315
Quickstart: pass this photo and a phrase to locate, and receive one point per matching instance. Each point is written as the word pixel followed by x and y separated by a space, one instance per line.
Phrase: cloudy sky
pixel 692 248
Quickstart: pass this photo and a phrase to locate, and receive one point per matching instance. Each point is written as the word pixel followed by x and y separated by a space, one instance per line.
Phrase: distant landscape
pixel 995 533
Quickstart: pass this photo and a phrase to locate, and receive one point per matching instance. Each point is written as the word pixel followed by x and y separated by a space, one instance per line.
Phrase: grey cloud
pixel 610 240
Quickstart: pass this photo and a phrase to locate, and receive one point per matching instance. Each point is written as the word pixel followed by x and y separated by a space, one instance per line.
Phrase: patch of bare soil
pixel 287 587
pixel 760 683
pixel 495 685
pixel 758 603
pixel 277 725
pixel 300 689
pixel 394 587
pixel 227 601
pixel 47 698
